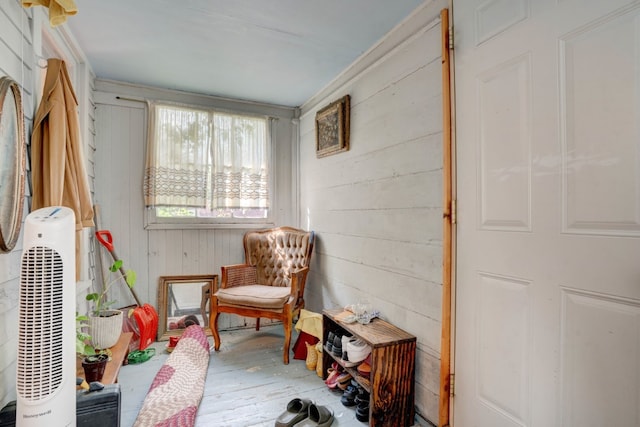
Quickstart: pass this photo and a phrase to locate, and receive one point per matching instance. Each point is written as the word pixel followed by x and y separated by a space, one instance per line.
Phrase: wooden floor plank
pixel 247 384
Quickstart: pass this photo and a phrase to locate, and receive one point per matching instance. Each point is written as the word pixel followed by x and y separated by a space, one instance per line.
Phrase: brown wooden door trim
pixel 447 223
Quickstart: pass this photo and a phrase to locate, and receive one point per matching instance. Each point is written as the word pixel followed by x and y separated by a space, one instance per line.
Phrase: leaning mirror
pixel 181 299
pixel 12 163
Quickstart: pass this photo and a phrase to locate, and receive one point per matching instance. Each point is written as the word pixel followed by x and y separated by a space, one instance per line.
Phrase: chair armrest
pixel 298 280
pixel 238 275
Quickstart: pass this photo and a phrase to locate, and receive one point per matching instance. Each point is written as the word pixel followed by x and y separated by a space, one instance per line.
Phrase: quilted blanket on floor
pixel 177 389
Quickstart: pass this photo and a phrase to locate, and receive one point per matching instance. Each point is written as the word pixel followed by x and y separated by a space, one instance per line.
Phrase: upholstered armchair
pixel 269 284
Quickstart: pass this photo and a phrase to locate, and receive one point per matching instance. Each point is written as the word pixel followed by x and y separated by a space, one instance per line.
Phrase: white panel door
pixel 548 235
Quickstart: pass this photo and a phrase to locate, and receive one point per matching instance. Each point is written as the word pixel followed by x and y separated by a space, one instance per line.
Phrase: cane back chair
pixel 269 284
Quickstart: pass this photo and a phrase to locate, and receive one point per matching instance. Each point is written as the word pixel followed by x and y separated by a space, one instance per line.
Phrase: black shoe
pixel 330 339
pixel 362 397
pixel 362 412
pixel 349 395
pixel 337 346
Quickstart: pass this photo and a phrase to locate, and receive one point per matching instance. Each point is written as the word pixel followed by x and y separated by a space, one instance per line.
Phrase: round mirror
pixel 12 163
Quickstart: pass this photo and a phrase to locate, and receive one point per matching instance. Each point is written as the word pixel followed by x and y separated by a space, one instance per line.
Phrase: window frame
pixel 153 222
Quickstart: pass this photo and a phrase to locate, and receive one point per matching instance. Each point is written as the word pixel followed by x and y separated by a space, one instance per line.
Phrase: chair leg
pixel 287 337
pixel 213 325
pixel 206 295
pixel 257 323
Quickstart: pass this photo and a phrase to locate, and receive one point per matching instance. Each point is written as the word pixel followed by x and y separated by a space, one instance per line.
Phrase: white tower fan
pixel 46 367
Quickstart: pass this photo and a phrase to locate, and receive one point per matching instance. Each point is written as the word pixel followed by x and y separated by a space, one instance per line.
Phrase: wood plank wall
pixel 16 53
pixel 120 151
pixel 21 42
pixel 377 209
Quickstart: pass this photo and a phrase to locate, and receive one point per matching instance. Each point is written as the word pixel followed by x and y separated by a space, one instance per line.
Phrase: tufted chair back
pixel 276 252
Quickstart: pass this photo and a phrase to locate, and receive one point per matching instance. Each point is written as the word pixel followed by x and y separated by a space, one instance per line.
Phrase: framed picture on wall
pixel 332 127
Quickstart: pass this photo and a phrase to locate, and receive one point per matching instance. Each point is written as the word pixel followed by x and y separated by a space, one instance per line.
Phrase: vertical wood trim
pixel 295 173
pixel 445 347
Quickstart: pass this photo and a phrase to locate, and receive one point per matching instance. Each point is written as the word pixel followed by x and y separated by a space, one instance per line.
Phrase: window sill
pixel 208 226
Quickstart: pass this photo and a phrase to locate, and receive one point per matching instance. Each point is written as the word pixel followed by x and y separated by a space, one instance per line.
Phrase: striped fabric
pixel 177 389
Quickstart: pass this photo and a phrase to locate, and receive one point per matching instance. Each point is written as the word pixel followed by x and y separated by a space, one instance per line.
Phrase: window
pixel 206 167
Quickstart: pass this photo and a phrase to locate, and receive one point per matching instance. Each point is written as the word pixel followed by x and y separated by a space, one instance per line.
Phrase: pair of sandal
pixel 337 377
pixel 364 368
pixel 303 413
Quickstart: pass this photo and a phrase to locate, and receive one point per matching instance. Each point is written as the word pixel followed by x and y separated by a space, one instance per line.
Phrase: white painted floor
pixel 247 383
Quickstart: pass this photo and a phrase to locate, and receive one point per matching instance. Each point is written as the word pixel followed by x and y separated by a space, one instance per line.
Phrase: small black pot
pixel 94 367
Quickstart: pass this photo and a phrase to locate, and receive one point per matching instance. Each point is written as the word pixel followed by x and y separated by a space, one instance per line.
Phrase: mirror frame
pixel 211 283
pixel 12 185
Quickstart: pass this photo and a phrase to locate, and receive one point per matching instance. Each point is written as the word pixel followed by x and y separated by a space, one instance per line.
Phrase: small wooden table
pixel 119 353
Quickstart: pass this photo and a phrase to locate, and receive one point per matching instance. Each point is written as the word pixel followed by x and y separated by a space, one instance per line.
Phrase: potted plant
pixel 93 361
pixel 105 323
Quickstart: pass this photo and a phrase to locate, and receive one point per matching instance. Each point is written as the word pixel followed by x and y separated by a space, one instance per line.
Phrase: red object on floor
pixel 299 348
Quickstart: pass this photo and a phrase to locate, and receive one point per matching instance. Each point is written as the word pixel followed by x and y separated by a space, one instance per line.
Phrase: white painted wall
pixel 121 133
pixel 377 209
pixel 25 34
pixel 16 53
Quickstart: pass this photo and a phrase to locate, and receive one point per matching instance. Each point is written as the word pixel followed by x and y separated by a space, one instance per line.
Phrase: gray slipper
pixel 297 410
pixel 319 416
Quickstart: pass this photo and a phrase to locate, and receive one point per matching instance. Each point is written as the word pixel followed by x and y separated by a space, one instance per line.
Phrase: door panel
pixel 505 169
pixel 548 188
pixel 600 139
pixel 600 353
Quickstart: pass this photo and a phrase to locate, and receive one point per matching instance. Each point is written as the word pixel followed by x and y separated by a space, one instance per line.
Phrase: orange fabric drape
pixel 57 161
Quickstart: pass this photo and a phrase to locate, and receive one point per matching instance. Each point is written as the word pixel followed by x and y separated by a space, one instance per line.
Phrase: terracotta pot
pixel 94 367
pixel 106 328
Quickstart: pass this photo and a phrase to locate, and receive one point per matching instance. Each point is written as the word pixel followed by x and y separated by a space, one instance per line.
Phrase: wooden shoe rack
pixel 391 383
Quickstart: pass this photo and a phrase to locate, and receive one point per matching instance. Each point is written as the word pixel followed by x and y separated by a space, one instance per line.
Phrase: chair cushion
pixel 257 296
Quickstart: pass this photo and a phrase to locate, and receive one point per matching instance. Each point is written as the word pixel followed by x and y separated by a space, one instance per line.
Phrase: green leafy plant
pixel 100 298
pixel 83 339
pixel 84 347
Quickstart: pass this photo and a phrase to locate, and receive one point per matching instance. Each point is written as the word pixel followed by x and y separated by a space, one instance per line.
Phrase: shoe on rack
pixel 330 338
pixel 337 346
pixel 364 368
pixel 333 373
pixel 343 380
pixel 345 340
pixel 349 396
pixel 357 351
pixel 362 412
pixel 362 396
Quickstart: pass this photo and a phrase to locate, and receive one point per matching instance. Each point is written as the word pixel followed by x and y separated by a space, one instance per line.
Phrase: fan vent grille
pixel 40 367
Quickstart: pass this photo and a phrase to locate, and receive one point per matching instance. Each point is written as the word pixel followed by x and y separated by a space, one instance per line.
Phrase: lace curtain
pixel 177 164
pixel 239 152
pixel 205 159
